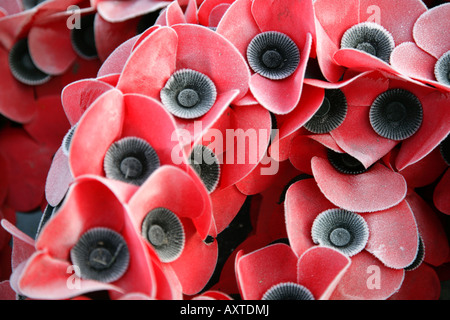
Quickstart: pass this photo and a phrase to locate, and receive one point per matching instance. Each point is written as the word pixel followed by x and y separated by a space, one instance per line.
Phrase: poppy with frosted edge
pixel 61 243
pixel 178 232
pixel 219 73
pixel 361 35
pixel 400 250
pixel 426 57
pixel 288 276
pixel 277 49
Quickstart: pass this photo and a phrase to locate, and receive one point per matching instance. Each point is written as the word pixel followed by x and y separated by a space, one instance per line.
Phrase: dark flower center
pixel 442 69
pixel 206 165
pixel 371 38
pixel 28 4
pixel 188 94
pixel 345 163
pixel 331 113
pixel 444 148
pixel 164 231
pixel 131 160
pixel 83 38
pixel 22 66
pixel 101 254
pixel 288 291
pixel 396 114
pixel 273 55
pixel 343 230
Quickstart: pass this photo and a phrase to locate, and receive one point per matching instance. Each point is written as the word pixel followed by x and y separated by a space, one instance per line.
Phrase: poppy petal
pixel 86 156
pixel 125 10
pixel 303 203
pixel 59 179
pixel 430 229
pixel 428 28
pixel 320 269
pixel 79 95
pixel 395 249
pixel 23 244
pixel 157 52
pixel 259 270
pixel 440 195
pixel 433 130
pixel 115 61
pixel 226 204
pixel 419 284
pixel 377 189
pixel 368 279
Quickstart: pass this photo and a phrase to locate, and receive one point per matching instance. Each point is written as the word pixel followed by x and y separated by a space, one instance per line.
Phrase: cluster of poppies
pixel 225 149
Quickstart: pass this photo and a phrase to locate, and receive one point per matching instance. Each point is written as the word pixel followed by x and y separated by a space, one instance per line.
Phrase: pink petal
pixel 115 61
pixel 281 96
pixel 109 36
pixel 190 201
pixel 293 18
pixel 86 154
pixel 356 137
pixel 368 279
pixel 6 292
pixel 151 64
pixel 213 56
pixel 440 195
pixel 46 278
pixel 23 244
pixel 302 150
pixel 238 25
pixel 226 204
pixel 392 16
pixel 376 189
pixel 419 284
pixel 43 39
pixel 430 229
pixel 118 11
pixel 412 61
pixel 16 103
pixel 320 269
pixel 78 96
pixel 59 179
pixel 174 14
pixel 207 6
pixel 200 256
pixel 435 127
pixel 429 31
pixel 245 153
pixel 303 203
pixel 395 249
pixel 259 270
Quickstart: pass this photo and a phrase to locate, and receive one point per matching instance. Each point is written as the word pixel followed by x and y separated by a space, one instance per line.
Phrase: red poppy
pixel 256 31
pixel 169 50
pixel 364 19
pixel 386 249
pixel 357 134
pixel 61 249
pixel 418 59
pixel 271 272
pixel 187 216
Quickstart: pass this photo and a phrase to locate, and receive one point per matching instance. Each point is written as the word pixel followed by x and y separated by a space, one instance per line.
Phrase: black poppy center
pixel 444 148
pixel 345 163
pixel 157 235
pixel 367 47
pixel 22 66
pixel 288 291
pixel 395 112
pixel 324 108
pixel 83 38
pixel 131 167
pixel 340 237
pixel 188 98
pixel 272 59
pixel 100 258
pixel 442 69
pixel 28 4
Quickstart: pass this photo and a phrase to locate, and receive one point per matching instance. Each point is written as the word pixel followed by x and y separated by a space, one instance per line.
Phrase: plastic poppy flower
pixel 89 253
pixel 211 12
pixel 277 50
pixel 172 213
pixel 227 153
pixel 275 272
pixel 378 121
pixel 180 11
pixel 427 57
pixel 192 87
pixel 126 148
pixel 370 239
pixel 361 34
